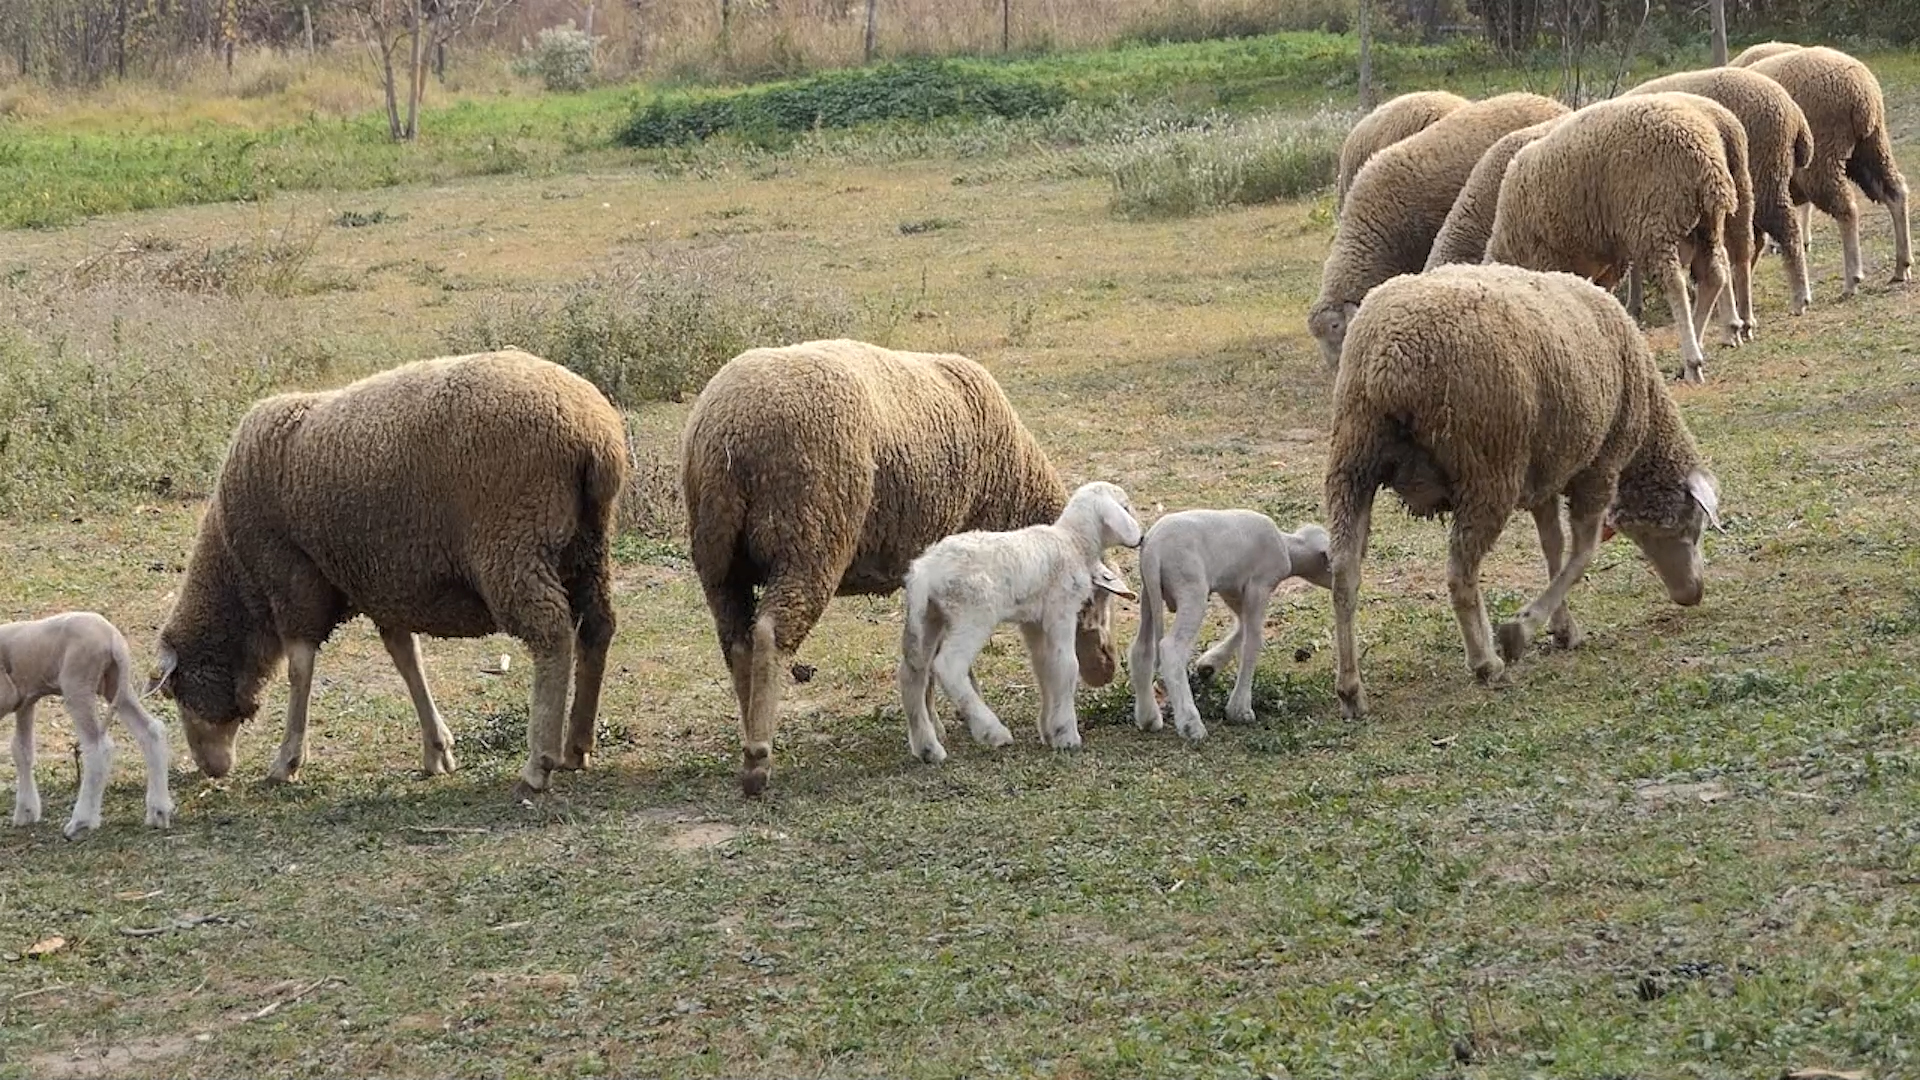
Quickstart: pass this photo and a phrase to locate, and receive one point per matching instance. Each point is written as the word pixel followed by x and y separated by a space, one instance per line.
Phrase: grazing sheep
pixel 1848 114
pixel 1388 123
pixel 1463 236
pixel 1778 143
pixel 1753 54
pixel 1187 557
pixel 454 497
pixel 1632 180
pixel 83 658
pixel 1481 390
pixel 1399 200
pixel 824 469
pixel 1041 577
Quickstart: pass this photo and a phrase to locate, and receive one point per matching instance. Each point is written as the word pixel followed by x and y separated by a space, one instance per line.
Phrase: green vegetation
pixel 1187 170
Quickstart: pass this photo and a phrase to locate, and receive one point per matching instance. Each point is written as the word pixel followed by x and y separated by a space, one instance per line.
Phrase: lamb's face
pixel 1093 640
pixel 1328 322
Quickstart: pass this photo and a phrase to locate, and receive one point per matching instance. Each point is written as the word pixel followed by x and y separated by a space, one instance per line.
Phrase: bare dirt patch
pixel 114 1059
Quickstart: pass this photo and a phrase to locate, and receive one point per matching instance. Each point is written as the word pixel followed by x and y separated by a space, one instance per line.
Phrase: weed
pixel 360 219
pixel 561 57
pixel 1222 162
pixel 272 263
pixel 926 225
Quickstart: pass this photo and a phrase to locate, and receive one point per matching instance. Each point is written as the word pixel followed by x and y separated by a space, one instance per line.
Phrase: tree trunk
pixel 1717 10
pixel 1006 25
pixel 120 57
pixel 872 16
pixel 306 25
pixel 1366 55
pixel 589 29
pixel 416 69
pixel 387 83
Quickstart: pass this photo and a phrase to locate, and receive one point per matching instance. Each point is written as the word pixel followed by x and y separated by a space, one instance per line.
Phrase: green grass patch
pixel 1189 170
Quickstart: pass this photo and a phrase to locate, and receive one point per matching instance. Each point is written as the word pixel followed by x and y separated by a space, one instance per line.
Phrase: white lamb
pixel 81 657
pixel 1187 557
pixel 1041 576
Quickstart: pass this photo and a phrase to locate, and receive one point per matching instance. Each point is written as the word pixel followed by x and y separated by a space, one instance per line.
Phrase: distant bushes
pixel 841 99
pixel 561 57
pixel 1192 169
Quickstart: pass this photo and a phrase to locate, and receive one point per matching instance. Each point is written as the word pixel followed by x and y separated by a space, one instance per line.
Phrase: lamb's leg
pixel 1141 660
pixel 1674 280
pixel 952 666
pixel 915 679
pixel 26 794
pixel 1055 670
pixel 293 746
pixel 1252 633
pixel 1349 502
pixel 151 736
pixel 436 742
pixel 96 759
pixel 1584 515
pixel 1176 650
pixel 1223 652
pixel 1473 536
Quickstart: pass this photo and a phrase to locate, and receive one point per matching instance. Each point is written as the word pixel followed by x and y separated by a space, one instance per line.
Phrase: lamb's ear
pixel 161 678
pixel 1107 579
pixel 1706 491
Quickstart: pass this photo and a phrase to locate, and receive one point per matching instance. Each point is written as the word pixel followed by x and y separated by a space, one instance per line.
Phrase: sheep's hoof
pixel 1204 672
pixel 288 773
pixel 79 825
pixel 1148 721
pixel 1066 739
pixel 1353 701
pixel 932 754
pixel 1239 714
pixel 26 815
pixel 1491 673
pixel 160 817
pixel 1902 276
pixel 996 736
pixel 1513 642
pixel 1193 731
pixel 524 792
pixel 753 781
pixel 438 760
pixel 576 760
pixel 1569 636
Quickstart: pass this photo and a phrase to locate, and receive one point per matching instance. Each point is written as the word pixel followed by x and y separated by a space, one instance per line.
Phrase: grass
pixel 1687 849
pixel 1190 169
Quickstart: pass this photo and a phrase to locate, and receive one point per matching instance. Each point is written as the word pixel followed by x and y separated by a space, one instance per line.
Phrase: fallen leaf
pixel 1824 1074
pixel 1714 795
pixel 47 947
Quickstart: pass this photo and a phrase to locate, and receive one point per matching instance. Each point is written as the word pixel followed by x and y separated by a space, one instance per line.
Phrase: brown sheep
pixel 1753 54
pixel 1480 390
pixel 1388 123
pixel 1463 236
pixel 454 497
pixel 1848 114
pixel 824 469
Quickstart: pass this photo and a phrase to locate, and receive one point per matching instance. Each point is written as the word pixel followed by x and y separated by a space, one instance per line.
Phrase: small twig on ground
pixel 25 994
pixel 454 829
pixel 272 1007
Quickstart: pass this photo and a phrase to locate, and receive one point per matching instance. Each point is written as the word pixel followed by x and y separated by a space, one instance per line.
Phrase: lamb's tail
pixel 1872 167
pixel 1802 148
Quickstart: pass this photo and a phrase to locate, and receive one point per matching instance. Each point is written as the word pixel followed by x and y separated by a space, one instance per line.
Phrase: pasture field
pixel 1689 849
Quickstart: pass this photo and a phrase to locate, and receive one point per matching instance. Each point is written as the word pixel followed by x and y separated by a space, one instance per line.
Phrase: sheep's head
pixel 1114 510
pixel 213 700
pixel 1093 636
pixel 1310 552
pixel 1328 320
pixel 1673 546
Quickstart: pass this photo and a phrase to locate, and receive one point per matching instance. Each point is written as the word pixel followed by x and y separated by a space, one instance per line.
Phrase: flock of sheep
pixel 1481 369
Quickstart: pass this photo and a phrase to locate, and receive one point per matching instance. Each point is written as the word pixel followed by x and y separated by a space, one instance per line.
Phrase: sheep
pixel 824 469
pixel 1389 122
pixel 1463 236
pixel 454 497
pixel 1480 390
pixel 1041 577
pixel 1399 200
pixel 1187 557
pixel 1753 54
pixel 81 657
pixel 1778 143
pixel 1632 180
pixel 1848 114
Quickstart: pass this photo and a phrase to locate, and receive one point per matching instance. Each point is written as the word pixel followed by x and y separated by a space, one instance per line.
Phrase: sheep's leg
pixel 1902 238
pixel 96 760
pixel 1517 635
pixel 1674 280
pixel 1806 227
pixel 1584 517
pixel 1141 660
pixel 436 742
pixel 915 680
pixel 1740 246
pixel 1717 297
pixel 1473 536
pixel 1176 650
pixel 1251 633
pixel 151 736
pixel 1055 669
pixel 293 746
pixel 1349 518
pixel 952 666
pixel 592 636
pixel 1785 227
pixel 1832 195
pixel 26 793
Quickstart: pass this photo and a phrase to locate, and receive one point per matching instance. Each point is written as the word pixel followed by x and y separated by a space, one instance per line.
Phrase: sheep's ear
pixel 1107 579
pixel 161 678
pixel 1706 491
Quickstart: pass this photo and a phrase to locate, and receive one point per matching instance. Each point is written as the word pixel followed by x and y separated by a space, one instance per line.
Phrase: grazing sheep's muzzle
pixel 1688 595
pixel 210 744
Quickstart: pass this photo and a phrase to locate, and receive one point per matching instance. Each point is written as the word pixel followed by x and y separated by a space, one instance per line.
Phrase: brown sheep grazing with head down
pixel 824 469
pixel 455 497
pixel 1481 390
pixel 1388 123
pixel 1848 114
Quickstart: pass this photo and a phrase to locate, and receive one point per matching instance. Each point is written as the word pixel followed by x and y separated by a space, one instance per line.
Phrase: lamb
pixel 1399 200
pixel 1753 54
pixel 1480 390
pixel 1187 557
pixel 824 469
pixel 1848 114
pixel 81 657
pixel 1463 236
pixel 1041 577
pixel 1778 143
pixel 1388 123
pixel 1632 180
pixel 454 497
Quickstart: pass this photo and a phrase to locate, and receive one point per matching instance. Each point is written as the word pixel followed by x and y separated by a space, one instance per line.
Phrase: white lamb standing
pixel 1242 556
pixel 81 657
pixel 1040 577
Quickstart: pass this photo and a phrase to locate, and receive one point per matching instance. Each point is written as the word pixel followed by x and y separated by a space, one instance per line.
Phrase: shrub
pixel 561 57
pixel 273 263
pixel 1191 169
pixel 654 331
pixel 905 91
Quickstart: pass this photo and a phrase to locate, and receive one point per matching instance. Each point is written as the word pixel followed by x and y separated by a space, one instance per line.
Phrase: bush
pixel 907 91
pixel 561 57
pixel 656 331
pixel 1188 170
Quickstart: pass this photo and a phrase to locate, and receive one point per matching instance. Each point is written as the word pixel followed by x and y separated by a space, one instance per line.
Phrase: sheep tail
pixel 1153 603
pixel 1802 148
pixel 1872 167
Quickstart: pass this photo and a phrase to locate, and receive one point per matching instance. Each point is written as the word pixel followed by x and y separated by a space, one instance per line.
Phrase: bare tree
pixel 404 36
pixel 1365 29
pixel 1717 10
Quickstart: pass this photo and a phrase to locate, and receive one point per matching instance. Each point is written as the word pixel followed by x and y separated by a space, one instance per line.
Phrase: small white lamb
pixel 1041 576
pixel 1239 554
pixel 81 657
